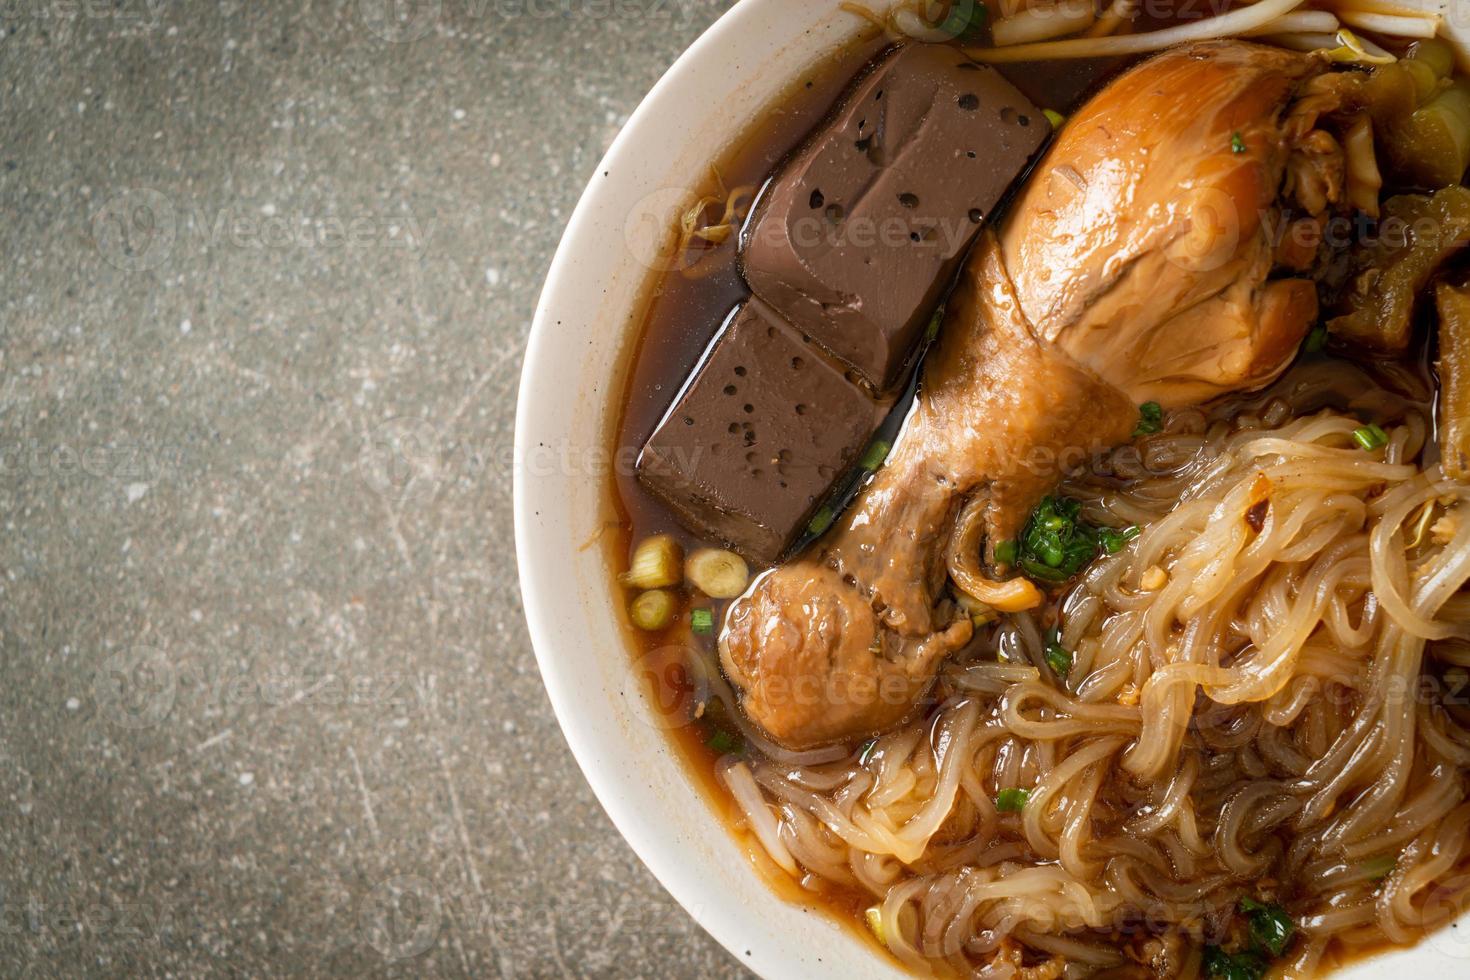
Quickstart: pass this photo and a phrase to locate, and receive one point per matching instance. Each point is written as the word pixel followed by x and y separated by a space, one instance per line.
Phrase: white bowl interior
pixel 569 398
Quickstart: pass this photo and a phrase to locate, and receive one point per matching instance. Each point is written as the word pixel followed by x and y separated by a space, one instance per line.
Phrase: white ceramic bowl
pixel 579 348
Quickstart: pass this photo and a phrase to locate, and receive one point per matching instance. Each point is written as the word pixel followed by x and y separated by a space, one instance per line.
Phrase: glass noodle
pixel 1046 30
pixel 1308 637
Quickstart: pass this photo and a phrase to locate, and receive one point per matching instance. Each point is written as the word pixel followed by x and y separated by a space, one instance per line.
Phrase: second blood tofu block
pixel 755 439
pixel 857 235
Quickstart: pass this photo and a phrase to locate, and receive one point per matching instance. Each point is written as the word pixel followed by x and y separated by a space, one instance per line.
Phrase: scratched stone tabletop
pixel 267 702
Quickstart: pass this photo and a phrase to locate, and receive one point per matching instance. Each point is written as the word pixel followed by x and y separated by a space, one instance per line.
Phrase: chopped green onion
pixel 1055 118
pixel 722 741
pixel 876 454
pixel 657 563
pixel 1237 143
pixel 1150 419
pixel 820 521
pixel 1220 965
pixel 653 610
pixel 1012 800
pixel 1316 340
pixel 1271 931
pixel 1112 539
pixel 1042 573
pixel 1056 543
pixel 866 751
pixel 1270 927
pixel 717 573
pixel 965 19
pixel 1380 867
pixel 934 322
pixel 701 620
pixel 1059 660
pixel 1370 437
pixel 1058 657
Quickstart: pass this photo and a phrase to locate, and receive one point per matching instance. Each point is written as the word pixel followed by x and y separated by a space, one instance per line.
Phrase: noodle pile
pixel 1044 30
pixel 1267 698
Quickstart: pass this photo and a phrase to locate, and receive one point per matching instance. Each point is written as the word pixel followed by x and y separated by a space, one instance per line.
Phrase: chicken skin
pixel 1137 265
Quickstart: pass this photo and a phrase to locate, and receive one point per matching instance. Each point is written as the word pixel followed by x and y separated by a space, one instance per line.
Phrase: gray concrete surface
pixel 267 704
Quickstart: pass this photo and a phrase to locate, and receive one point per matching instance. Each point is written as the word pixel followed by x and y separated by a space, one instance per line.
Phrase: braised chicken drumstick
pixel 1142 262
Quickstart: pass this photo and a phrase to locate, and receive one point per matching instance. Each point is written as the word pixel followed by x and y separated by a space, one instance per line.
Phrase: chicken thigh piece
pixel 1142 249
pixel 1135 266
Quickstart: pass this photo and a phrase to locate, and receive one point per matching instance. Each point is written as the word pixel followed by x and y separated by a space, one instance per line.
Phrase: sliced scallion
pixel 717 573
pixel 1316 340
pixel 701 621
pixel 1271 928
pixel 1370 437
pixel 1112 539
pixel 1058 657
pixel 877 452
pixel 657 564
pixel 820 521
pixel 1220 965
pixel 653 610
pixel 934 322
pixel 722 741
pixel 965 19
pixel 1012 800
pixel 1150 419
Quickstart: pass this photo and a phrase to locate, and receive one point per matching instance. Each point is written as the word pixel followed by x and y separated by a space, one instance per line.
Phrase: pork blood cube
pixel 856 236
pixel 758 435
